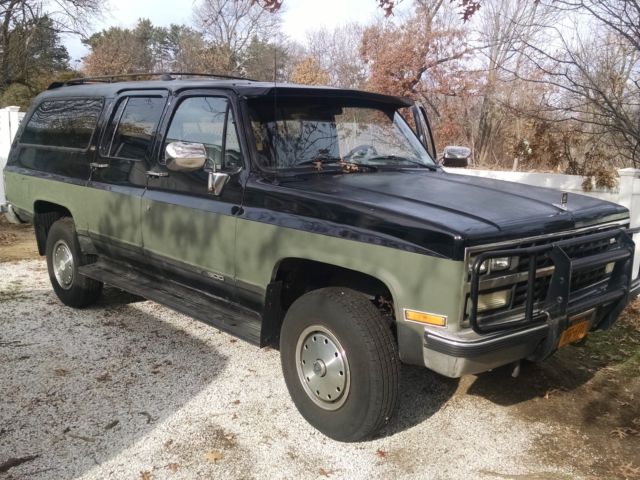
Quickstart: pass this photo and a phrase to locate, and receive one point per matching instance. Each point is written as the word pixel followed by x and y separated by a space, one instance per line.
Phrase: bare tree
pixel 337 52
pixel 66 16
pixel 594 61
pixel 505 27
pixel 231 25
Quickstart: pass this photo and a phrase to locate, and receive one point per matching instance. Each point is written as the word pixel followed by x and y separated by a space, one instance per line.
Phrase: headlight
pixel 499 264
pixel 493 300
pixel 493 265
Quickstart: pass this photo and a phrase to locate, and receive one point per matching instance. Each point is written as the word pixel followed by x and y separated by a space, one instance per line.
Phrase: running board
pixel 203 306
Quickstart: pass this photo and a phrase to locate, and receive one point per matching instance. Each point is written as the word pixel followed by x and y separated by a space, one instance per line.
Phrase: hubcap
pixel 323 367
pixel 63 264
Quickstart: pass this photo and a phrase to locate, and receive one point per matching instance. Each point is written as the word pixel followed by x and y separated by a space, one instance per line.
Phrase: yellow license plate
pixel 576 332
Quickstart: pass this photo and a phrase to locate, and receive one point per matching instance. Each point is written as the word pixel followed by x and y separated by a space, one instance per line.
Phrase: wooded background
pixel 548 85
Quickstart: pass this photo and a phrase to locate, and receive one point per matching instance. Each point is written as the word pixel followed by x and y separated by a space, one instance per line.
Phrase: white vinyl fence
pixel 10 118
pixel 626 193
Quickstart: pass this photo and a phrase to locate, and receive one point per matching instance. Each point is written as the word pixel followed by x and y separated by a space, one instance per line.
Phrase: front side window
pixel 209 121
pixel 133 124
pixel 68 123
pixel 303 132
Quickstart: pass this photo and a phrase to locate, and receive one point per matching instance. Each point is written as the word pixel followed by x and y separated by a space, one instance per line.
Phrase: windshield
pixel 300 133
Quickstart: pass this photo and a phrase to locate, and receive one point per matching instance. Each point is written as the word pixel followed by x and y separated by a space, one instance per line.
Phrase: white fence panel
pixel 10 119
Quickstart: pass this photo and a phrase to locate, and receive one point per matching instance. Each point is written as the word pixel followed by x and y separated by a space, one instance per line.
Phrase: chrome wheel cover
pixel 322 367
pixel 62 263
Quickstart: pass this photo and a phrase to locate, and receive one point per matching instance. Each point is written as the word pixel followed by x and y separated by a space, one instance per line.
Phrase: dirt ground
pixel 576 415
pixel 17 242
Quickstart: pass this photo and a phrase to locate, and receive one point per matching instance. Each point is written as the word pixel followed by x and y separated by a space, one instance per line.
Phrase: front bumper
pixel 536 333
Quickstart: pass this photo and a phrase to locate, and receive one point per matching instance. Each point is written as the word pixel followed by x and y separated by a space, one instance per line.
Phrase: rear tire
pixel 63 259
pixel 340 363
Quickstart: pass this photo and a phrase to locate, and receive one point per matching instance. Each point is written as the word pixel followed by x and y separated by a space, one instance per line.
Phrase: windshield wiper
pixel 404 159
pixel 347 166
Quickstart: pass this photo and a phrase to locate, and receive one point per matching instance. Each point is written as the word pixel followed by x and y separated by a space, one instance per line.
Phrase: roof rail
pixel 134 76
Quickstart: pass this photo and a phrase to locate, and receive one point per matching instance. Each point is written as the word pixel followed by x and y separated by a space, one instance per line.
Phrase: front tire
pixel 340 363
pixel 63 259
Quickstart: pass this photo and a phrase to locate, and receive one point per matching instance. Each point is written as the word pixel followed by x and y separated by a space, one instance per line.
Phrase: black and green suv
pixel 316 220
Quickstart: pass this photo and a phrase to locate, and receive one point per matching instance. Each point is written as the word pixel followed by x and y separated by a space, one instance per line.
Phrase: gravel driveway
pixel 130 389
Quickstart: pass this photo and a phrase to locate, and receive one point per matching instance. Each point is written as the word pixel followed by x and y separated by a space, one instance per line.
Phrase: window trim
pixel 125 96
pixel 175 103
pixel 90 144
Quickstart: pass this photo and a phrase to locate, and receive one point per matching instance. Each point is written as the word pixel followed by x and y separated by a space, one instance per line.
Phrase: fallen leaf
pixel 325 473
pixel 230 439
pixel 619 432
pixel 236 402
pixel 110 425
pixel 381 453
pixel 172 467
pixel 628 471
pixel 145 475
pixel 213 456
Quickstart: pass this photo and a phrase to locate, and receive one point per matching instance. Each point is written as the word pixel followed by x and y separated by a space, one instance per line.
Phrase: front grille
pixel 580 280
pixel 574 251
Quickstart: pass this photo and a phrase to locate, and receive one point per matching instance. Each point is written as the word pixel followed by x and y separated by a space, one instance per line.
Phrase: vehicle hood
pixel 446 212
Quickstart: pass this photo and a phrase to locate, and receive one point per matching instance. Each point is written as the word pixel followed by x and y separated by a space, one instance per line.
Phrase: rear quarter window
pixel 66 123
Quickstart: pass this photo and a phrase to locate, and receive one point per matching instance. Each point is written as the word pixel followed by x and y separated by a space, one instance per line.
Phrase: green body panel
pixel 200 238
pixel 110 214
pixel 415 281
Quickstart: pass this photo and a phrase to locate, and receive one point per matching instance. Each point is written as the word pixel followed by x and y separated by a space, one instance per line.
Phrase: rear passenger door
pixel 119 173
pixel 188 231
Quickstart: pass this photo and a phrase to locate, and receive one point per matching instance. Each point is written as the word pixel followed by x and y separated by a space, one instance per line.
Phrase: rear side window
pixel 130 132
pixel 63 123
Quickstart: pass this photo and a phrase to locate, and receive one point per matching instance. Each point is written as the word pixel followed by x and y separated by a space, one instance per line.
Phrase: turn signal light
pixel 424 317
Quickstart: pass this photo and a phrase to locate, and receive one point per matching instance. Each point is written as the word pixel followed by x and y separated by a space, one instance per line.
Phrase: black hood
pixel 443 212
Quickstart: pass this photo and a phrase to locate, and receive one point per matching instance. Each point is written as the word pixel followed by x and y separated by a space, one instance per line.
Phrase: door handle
pixel 97 166
pixel 157 174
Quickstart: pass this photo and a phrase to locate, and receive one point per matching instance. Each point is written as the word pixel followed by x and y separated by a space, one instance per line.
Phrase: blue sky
pixel 299 16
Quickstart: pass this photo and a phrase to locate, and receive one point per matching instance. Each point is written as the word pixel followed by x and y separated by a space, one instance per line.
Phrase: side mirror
pixel 455 156
pixel 185 156
pixel 217 180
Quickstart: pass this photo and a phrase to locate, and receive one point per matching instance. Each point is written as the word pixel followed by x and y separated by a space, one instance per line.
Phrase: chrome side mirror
pixel 185 156
pixel 455 156
pixel 217 180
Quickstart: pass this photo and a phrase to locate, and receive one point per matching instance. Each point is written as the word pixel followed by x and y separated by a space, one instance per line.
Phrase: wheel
pixel 340 363
pixel 63 259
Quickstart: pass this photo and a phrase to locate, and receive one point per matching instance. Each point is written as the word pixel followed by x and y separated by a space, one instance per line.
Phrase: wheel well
pixel 45 215
pixel 293 277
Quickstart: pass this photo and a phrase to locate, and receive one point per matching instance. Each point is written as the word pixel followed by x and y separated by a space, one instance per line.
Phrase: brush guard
pixel 559 305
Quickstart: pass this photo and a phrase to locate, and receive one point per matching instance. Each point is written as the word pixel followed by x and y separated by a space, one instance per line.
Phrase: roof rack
pixel 162 75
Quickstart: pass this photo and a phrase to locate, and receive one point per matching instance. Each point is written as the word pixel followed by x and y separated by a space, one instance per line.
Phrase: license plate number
pixel 576 331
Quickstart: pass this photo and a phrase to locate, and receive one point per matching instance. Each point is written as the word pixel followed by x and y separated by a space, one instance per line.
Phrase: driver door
pixel 187 231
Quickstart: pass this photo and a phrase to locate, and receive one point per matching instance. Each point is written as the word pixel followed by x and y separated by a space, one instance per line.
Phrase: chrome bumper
pixel 10 214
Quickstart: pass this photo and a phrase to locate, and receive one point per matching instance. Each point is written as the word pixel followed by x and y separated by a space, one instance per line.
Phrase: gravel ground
pixel 130 389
